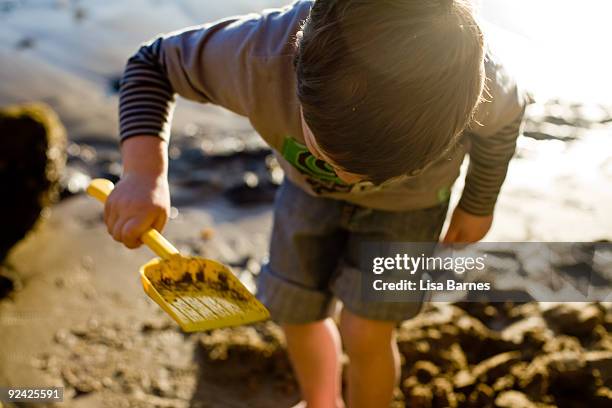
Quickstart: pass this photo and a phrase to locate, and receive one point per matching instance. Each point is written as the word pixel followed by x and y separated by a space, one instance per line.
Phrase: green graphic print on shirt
pixel 319 174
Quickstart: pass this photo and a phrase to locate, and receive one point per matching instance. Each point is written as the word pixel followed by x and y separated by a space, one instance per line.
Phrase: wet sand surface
pixel 74 314
pixel 80 319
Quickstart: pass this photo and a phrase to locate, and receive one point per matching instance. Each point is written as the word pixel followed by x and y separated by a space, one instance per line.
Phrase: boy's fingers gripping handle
pixel 100 189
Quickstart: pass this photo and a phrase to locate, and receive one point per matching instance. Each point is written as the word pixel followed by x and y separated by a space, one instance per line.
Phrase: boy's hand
pixel 467 228
pixel 141 200
pixel 136 204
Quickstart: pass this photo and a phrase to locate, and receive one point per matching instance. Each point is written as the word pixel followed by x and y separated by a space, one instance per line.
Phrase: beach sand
pixel 78 317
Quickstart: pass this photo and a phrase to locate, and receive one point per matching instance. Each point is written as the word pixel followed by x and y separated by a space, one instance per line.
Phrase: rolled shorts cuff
pixel 290 302
pixel 347 288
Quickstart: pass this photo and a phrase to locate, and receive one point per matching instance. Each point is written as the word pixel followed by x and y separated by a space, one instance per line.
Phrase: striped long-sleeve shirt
pixel 245 64
pixel 147 97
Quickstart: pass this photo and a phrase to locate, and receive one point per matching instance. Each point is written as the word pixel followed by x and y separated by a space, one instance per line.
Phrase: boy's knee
pixel 364 337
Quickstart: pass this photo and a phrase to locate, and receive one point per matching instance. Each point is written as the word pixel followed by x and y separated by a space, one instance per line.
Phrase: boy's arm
pixel 200 64
pixel 493 134
pixel 141 199
pixel 489 161
pixel 146 96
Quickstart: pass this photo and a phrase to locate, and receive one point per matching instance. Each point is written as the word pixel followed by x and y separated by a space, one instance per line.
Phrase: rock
pixel 207 233
pixel 565 361
pixel 602 398
pixel 451 358
pixel 443 394
pixel 253 266
pixel 562 343
pixel 434 393
pixel 463 379
pixel 481 397
pixel 445 339
pixel 479 342
pixel 492 368
pixel 455 356
pixel 603 338
pixel 420 397
pixel 80 14
pixel 425 371
pixel 513 399
pixel 157 324
pixel 83 382
pixel 241 352
pixel 533 378
pixel 570 377
pixel 161 385
pixel 504 383
pixel 32 156
pixel 25 43
pixel 65 338
pixel 575 319
pixel 516 331
pixel 431 336
pixel 556 134
pixel 601 363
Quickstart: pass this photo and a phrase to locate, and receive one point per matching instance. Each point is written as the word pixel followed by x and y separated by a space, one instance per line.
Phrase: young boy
pixel 370 107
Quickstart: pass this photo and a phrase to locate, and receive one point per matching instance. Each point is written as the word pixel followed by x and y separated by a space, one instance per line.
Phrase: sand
pixel 73 313
pixel 79 318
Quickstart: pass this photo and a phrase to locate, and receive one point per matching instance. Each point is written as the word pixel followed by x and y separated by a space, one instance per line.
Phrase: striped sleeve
pixel 146 97
pixel 207 63
pixel 237 63
pixel 489 161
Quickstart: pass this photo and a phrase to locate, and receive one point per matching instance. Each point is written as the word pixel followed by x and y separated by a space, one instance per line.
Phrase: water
pixel 560 47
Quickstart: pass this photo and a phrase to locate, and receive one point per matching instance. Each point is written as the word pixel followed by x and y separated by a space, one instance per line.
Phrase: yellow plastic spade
pixel 199 294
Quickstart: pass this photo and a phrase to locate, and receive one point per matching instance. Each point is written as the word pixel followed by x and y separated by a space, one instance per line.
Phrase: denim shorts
pixel 314 253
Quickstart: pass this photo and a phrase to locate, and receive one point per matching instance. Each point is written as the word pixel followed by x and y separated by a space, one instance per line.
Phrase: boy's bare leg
pixel 315 350
pixel 373 369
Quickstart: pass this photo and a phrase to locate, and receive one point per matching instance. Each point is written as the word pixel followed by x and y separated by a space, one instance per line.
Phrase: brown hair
pixel 387 86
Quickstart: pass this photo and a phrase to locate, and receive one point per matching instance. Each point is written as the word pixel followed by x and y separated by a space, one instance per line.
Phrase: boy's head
pixel 387 86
